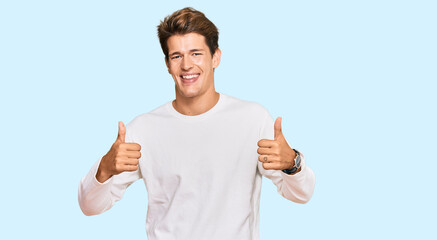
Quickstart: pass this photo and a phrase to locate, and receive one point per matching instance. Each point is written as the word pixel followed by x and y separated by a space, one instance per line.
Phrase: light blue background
pixel 355 83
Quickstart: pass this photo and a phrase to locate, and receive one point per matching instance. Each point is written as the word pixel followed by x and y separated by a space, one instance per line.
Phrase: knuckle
pixel 118 151
pixel 116 155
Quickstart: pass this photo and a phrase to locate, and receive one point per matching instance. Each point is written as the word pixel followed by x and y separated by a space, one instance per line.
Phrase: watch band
pixel 296 166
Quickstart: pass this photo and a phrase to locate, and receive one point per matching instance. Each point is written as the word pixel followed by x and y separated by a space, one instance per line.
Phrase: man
pixel 202 155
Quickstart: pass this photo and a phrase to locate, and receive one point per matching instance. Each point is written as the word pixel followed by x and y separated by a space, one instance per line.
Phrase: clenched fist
pixel 121 157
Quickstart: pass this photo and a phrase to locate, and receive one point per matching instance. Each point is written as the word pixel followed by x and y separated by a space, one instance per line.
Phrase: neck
pixel 192 106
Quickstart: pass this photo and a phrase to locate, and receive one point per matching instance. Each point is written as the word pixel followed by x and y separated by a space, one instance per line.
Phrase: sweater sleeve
pixel 95 197
pixel 298 187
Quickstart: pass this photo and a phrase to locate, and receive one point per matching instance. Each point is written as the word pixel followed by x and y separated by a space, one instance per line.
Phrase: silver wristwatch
pixel 296 166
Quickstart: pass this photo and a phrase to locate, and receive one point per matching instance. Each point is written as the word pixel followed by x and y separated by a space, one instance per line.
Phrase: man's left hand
pixel 276 154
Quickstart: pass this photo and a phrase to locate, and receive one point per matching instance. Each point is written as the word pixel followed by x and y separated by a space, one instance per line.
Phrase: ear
pixel 216 58
pixel 167 64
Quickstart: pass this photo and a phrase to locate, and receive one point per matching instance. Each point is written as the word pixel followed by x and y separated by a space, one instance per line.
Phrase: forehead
pixel 186 42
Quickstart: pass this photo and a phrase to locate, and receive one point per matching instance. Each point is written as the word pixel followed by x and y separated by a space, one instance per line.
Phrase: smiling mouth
pixel 189 78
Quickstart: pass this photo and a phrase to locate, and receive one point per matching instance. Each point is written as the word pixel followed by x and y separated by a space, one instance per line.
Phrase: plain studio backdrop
pixel 354 81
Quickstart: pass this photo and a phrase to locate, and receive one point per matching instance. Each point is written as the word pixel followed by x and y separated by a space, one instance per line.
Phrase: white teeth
pixel 189 76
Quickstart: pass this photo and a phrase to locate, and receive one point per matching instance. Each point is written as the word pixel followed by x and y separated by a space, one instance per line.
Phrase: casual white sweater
pixel 201 172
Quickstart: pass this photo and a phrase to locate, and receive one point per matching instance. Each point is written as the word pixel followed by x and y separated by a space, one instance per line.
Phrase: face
pixel 191 65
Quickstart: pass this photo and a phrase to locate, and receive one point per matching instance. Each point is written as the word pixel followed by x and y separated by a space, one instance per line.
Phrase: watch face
pixel 298 161
pixel 290 171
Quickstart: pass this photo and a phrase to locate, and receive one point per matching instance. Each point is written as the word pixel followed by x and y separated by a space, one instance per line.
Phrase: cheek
pixel 173 71
pixel 197 61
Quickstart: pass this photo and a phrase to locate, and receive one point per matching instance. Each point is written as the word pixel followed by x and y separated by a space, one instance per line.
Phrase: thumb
pixel 121 132
pixel 278 128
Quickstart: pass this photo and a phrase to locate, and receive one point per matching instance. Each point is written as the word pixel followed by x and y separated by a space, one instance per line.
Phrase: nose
pixel 187 64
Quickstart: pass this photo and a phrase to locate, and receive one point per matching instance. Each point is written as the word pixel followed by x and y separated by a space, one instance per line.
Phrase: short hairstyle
pixel 187 20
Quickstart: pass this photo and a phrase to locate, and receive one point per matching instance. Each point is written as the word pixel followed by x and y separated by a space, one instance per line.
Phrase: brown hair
pixel 187 20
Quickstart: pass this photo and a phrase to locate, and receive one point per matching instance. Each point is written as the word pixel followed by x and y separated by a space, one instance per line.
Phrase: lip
pixel 189 81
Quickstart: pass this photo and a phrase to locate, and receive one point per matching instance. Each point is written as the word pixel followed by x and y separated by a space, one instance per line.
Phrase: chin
pixel 189 94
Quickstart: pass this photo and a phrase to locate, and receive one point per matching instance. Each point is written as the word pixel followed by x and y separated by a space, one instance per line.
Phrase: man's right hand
pixel 121 157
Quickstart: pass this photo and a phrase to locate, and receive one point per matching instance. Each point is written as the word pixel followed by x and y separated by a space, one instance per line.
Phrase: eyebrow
pixel 192 50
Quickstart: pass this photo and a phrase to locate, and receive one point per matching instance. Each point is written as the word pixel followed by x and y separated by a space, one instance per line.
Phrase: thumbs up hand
pixel 276 153
pixel 120 158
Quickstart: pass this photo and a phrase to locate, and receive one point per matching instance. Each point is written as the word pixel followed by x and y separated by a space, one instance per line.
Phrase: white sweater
pixel 201 172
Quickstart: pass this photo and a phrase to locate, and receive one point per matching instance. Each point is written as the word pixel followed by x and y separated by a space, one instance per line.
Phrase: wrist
pixel 296 164
pixel 101 174
pixel 102 177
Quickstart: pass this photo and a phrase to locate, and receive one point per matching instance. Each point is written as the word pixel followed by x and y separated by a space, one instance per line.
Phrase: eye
pixel 197 54
pixel 175 57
